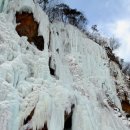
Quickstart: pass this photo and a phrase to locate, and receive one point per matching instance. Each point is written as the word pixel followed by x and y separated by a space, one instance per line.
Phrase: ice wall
pixel 87 70
pixel 31 97
pixel 3 5
pixel 85 60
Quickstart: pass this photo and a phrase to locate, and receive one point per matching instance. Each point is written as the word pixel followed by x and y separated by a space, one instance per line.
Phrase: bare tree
pixel 114 43
pixel 62 12
pixel 47 5
pixel 94 28
pixel 126 68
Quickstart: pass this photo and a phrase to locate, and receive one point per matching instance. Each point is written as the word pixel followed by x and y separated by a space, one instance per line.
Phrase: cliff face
pixel 27 26
pixel 71 84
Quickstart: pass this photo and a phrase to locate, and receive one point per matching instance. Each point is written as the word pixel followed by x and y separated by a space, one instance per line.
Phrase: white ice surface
pixel 83 77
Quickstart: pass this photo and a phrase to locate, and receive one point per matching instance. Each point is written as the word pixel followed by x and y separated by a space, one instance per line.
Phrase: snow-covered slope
pixel 82 83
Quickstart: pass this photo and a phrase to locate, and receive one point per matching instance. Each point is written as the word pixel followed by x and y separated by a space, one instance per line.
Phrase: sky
pixel 112 18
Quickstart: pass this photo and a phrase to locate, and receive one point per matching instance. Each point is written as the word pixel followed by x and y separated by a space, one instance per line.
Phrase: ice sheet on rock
pixel 87 55
pixel 83 77
pixel 89 73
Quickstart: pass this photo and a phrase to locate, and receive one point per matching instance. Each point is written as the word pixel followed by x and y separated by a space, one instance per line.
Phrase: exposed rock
pixel 45 127
pixel 29 117
pixel 68 121
pixel 29 27
pixel 52 70
pixel 126 106
pixel 39 42
pixel 112 57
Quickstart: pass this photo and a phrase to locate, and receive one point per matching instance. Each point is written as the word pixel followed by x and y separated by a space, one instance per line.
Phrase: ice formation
pixel 82 83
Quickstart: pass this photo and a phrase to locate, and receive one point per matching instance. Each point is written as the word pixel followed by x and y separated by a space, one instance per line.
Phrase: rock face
pixel 72 84
pixel 126 106
pixel 27 26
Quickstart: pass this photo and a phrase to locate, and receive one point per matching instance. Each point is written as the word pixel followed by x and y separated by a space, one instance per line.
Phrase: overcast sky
pixel 112 18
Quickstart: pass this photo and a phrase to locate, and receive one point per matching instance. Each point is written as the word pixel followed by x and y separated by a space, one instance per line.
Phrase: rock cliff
pixel 71 84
